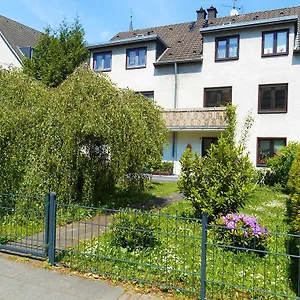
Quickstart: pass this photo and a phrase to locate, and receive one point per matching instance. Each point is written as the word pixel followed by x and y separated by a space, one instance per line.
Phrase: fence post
pixel 52 228
pixel 47 223
pixel 203 256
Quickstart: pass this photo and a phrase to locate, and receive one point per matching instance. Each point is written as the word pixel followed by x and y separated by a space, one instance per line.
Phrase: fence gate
pixel 25 224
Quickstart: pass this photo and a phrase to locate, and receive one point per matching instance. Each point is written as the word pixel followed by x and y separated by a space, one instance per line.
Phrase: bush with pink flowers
pixel 241 231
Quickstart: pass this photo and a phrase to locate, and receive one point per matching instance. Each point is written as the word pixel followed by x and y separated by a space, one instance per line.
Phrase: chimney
pixel 201 14
pixel 212 12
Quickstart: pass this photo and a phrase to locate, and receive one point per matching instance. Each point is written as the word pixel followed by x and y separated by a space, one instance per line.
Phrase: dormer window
pixel 136 58
pixel 275 43
pixel 227 48
pixel 102 61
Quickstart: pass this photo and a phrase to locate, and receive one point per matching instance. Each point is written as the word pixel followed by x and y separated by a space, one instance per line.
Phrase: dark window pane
pixel 269 148
pixel 273 98
pixel 149 95
pixel 206 143
pixel 266 98
pixel 280 98
pixel 218 97
pixel 264 148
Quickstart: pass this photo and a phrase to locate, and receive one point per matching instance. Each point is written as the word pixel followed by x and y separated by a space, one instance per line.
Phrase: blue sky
pixel 102 19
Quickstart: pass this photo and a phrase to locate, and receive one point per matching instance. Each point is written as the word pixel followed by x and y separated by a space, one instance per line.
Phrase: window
pixel 149 94
pixel 216 97
pixel 273 98
pixel 102 61
pixel 275 43
pixel 227 48
pixel 136 58
pixel 268 147
pixel 206 143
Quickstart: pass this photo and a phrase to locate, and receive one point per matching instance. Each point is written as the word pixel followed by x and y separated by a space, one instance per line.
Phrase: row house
pixel 194 69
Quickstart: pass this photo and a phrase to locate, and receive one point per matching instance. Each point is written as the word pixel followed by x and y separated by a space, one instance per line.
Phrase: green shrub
pixel 220 182
pixel 133 229
pixel 241 231
pixel 293 209
pixel 281 164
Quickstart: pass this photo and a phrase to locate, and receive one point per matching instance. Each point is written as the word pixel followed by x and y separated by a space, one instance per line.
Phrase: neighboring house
pixel 16 41
pixel 193 69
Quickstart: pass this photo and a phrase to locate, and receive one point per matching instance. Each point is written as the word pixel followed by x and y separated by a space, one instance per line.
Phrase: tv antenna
pixel 131 24
pixel 234 9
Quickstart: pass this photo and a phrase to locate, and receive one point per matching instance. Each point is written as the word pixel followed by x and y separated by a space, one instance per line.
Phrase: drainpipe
pixel 175 85
pixel 174 152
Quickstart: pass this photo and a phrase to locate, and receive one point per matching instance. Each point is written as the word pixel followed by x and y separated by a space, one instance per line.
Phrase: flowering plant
pixel 241 231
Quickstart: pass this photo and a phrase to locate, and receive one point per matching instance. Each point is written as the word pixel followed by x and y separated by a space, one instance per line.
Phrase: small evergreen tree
pixel 57 54
pixel 220 182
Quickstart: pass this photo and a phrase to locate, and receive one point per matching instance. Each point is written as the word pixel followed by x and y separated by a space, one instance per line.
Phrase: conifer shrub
pixel 220 182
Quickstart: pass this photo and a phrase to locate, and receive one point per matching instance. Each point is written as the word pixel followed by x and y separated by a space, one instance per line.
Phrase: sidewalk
pixel 23 281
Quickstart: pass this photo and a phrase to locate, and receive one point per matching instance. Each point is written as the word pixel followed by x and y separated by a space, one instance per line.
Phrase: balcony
pixel 209 118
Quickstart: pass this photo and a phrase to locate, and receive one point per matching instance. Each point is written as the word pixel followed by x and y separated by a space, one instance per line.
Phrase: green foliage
pixel 294 187
pixel 281 164
pixel 175 260
pixel 58 53
pixel 220 182
pixel 133 230
pixel 78 139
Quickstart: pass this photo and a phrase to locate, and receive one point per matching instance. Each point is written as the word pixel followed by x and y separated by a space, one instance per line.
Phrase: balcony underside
pixel 195 119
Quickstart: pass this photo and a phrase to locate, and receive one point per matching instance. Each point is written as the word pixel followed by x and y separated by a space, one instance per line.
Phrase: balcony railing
pixel 195 119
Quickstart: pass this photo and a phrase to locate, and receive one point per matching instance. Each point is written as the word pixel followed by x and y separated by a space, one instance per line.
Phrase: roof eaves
pixel 136 39
pixel 11 48
pixel 254 23
pixel 181 61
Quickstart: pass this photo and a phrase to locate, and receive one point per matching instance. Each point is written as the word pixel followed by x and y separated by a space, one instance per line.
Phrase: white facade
pixel 244 75
pixel 7 56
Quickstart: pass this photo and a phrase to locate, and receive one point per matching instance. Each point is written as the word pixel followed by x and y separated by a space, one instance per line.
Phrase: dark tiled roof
pixel 182 40
pixel 18 35
pixel 186 44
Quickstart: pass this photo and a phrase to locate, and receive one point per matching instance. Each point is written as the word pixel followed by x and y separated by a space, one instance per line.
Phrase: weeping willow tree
pixel 78 139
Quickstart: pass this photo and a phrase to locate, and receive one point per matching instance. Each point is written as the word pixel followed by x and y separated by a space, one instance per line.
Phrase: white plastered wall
pixel 7 58
pixel 244 75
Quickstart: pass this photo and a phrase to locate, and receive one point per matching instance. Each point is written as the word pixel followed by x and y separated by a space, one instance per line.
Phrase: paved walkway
pixel 24 281
pixel 70 235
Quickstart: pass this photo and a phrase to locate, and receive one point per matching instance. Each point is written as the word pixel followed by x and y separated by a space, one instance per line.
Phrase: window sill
pixel 272 112
pixel 275 54
pixel 226 59
pixel 134 68
pixel 101 71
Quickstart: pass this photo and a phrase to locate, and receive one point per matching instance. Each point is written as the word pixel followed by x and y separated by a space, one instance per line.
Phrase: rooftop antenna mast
pixel 131 25
pixel 234 9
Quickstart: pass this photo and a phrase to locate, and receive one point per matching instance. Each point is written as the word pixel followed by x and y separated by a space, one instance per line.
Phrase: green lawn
pixel 155 189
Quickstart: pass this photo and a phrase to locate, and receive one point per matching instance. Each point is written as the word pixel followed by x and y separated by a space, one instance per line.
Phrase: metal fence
pixel 23 223
pixel 170 251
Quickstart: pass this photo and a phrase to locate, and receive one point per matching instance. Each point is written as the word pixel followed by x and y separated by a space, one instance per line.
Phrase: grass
pixel 155 189
pixel 174 260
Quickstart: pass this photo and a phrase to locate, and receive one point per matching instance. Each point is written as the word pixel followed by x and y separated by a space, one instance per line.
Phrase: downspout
pixel 175 85
pixel 174 152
